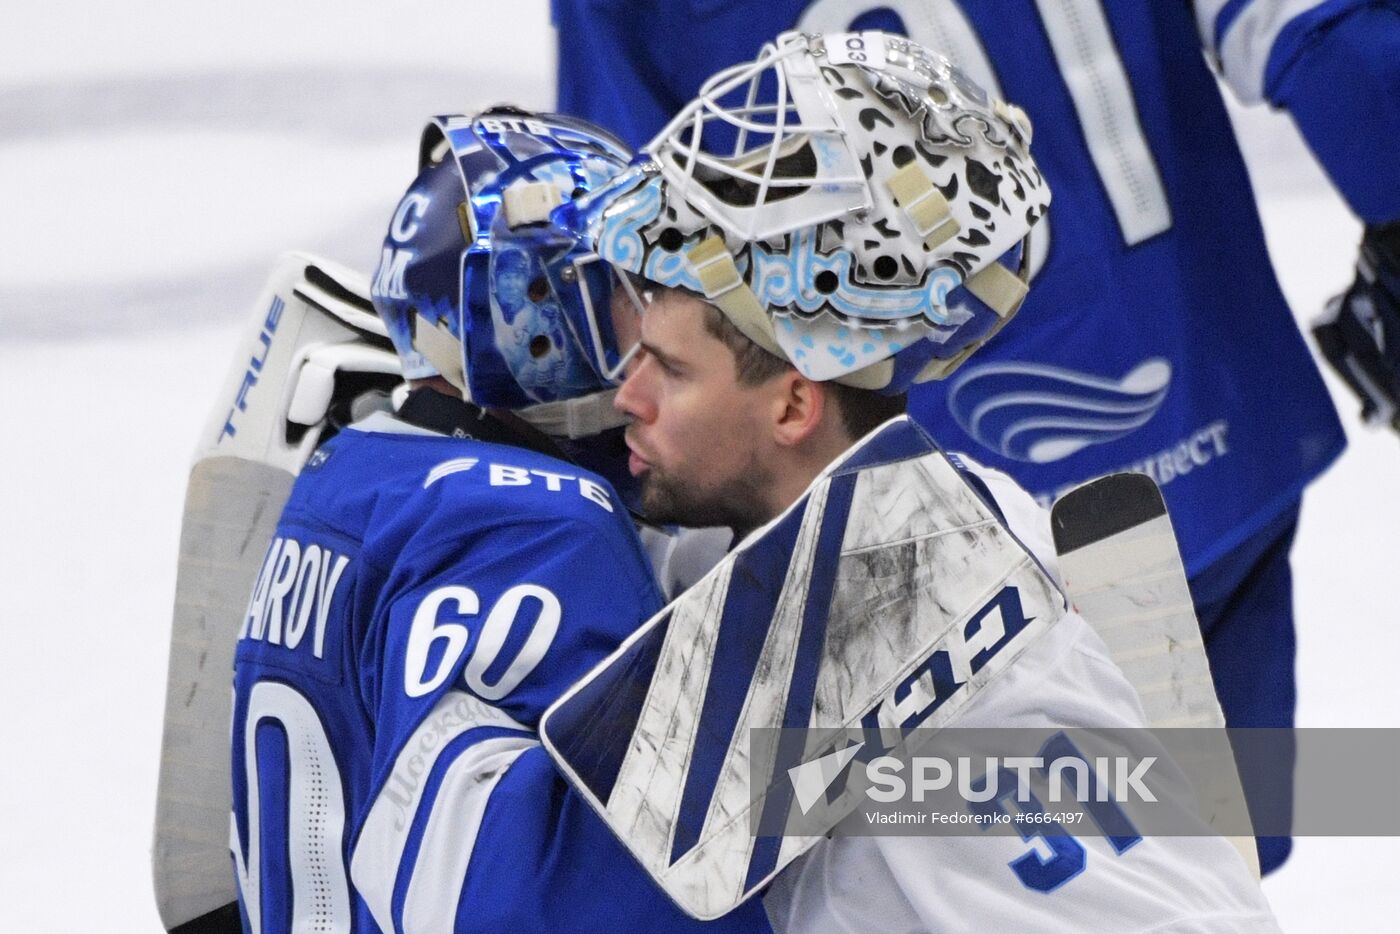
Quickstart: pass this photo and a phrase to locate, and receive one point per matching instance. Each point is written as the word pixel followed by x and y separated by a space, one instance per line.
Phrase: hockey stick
pixel 1123 572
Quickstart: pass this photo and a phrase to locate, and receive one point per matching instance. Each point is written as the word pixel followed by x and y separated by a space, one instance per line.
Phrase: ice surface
pixel 154 158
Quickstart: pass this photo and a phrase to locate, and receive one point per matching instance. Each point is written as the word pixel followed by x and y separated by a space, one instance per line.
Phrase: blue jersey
pixel 1155 336
pixel 1335 66
pixel 424 600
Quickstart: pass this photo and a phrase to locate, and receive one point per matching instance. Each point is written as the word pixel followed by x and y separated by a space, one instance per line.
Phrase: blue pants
pixel 1245 605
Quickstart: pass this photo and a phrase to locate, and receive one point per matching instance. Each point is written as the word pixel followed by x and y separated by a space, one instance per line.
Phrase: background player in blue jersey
pixel 1156 336
pixel 438 576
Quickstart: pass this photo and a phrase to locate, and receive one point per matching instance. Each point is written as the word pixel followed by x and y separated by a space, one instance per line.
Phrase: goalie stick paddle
pixel 1123 572
pixel 883 599
pixel 312 337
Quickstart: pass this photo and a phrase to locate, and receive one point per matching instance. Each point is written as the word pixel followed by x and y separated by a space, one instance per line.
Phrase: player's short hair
pixel 862 410
pixel 752 363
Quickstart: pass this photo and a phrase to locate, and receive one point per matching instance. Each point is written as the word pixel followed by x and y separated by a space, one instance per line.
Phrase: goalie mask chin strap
pixel 427 408
pixel 581 417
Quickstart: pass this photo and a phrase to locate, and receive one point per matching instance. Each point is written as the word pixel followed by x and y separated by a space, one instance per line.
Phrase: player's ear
pixel 798 405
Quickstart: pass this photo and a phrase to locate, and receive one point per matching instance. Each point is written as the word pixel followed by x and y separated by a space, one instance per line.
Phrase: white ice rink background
pixel 154 158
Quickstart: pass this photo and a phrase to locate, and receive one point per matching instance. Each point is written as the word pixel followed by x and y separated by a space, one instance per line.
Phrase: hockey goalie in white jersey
pixel 818 231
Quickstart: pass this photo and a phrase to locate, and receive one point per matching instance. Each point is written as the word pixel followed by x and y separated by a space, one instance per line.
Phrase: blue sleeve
pixel 554 866
pixel 1339 76
pixel 1335 66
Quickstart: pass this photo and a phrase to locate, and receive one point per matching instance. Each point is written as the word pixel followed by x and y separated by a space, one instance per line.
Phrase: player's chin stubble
pixel 737 504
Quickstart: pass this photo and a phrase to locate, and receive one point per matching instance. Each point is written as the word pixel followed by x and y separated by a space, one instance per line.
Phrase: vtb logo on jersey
pixel 1040 414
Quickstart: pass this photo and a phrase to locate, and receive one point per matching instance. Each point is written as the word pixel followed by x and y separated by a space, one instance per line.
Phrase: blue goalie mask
pixel 484 278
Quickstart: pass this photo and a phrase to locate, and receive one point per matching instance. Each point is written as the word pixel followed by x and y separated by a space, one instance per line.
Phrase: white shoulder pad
pixel 1027 519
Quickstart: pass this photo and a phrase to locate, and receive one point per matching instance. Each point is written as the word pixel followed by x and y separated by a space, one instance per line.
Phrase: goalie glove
pixel 1359 334
pixel 313 357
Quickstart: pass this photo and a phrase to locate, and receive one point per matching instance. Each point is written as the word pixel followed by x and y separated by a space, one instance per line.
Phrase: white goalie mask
pixel 852 202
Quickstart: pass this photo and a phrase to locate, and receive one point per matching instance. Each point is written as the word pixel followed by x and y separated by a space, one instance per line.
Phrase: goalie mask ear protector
pixel 853 203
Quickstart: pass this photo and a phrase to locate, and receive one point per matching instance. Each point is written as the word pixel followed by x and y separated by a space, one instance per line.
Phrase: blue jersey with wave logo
pixel 1155 336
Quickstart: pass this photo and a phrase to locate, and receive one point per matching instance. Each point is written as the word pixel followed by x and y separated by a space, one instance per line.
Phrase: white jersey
pixel 680 557
pixel 962 883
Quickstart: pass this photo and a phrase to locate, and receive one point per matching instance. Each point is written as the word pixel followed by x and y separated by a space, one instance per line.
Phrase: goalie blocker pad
pixel 875 600
pixel 311 343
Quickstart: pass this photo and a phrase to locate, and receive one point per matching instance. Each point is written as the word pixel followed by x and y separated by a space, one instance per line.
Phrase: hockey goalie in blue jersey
pixel 1155 337
pixel 441 574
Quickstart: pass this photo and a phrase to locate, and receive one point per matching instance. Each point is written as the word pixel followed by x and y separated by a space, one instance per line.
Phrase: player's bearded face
pixel 696 437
